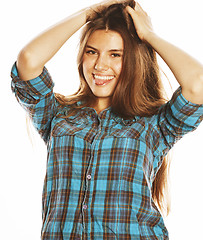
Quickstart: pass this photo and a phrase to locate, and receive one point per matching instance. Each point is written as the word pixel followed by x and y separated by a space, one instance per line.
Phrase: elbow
pixel 197 87
pixel 201 87
pixel 27 66
pixel 25 59
pixel 201 78
pixel 195 93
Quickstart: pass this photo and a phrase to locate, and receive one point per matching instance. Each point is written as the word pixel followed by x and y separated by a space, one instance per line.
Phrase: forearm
pixel 34 56
pixel 187 70
pixel 40 50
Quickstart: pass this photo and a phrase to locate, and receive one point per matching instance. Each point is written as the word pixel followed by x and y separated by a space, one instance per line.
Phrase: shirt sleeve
pixel 175 119
pixel 37 98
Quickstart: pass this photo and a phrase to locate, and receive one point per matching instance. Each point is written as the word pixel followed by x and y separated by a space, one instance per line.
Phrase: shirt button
pixel 84 207
pixel 89 177
pixel 94 118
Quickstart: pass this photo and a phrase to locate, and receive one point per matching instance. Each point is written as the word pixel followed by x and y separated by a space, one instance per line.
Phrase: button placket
pixel 87 194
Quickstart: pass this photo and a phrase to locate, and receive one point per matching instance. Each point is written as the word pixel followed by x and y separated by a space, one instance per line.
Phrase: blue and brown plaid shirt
pixel 101 168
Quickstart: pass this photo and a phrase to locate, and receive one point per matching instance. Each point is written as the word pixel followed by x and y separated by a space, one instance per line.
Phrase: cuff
pixel 38 86
pixel 184 110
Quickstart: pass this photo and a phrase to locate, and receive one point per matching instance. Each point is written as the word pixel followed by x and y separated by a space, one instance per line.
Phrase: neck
pixel 101 104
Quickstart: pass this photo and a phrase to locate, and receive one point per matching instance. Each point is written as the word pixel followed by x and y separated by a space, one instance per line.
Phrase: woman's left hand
pixel 141 20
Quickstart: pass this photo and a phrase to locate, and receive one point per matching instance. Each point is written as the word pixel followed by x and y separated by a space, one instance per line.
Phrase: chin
pixel 102 95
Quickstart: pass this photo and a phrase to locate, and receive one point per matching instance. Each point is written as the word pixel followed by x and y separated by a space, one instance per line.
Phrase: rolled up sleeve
pixel 175 119
pixel 37 98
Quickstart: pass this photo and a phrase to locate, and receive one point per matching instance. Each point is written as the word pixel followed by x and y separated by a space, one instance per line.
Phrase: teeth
pixel 103 77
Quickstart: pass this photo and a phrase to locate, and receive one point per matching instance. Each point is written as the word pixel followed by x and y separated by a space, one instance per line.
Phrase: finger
pixel 130 10
pixel 139 8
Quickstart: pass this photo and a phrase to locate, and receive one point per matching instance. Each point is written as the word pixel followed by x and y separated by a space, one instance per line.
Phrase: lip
pixel 102 79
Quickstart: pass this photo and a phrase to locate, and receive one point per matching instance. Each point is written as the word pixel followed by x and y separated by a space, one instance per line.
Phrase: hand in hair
pixel 141 20
pixel 99 7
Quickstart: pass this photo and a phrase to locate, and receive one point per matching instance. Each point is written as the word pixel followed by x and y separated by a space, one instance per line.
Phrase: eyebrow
pixel 111 50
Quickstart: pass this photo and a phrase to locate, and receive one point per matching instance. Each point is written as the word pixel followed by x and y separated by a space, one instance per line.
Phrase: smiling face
pixel 102 63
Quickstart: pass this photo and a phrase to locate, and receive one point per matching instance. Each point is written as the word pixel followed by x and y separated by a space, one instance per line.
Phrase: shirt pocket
pixel 67 126
pixel 132 131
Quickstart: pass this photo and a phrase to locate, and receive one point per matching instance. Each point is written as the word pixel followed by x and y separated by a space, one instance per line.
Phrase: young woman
pixel 107 143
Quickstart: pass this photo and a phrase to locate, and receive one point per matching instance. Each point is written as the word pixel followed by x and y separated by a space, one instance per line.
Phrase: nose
pixel 101 63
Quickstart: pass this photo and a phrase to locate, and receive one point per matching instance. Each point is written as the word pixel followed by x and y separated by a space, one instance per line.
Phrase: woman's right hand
pixel 98 7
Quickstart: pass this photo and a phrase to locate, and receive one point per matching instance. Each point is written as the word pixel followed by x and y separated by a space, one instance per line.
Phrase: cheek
pixel 87 66
pixel 118 67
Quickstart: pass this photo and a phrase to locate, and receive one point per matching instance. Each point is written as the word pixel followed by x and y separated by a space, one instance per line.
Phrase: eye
pixel 91 52
pixel 116 55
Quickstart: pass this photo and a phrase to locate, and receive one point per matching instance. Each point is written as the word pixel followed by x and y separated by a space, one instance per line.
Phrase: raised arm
pixel 187 71
pixel 41 49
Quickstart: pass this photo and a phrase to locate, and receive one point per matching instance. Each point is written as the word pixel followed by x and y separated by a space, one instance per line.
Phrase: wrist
pixel 150 37
pixel 91 12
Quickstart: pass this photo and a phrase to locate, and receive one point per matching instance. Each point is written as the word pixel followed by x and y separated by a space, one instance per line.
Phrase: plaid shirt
pixel 101 168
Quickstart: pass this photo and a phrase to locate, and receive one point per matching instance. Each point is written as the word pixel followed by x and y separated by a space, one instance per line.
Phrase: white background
pixel 23 164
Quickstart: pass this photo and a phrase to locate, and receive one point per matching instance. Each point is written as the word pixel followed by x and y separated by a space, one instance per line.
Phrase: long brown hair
pixel 139 90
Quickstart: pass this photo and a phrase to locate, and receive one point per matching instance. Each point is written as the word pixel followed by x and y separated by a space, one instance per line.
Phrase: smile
pixel 102 79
